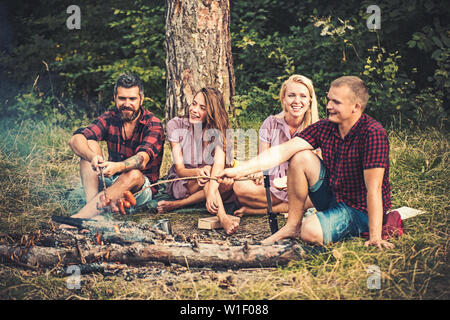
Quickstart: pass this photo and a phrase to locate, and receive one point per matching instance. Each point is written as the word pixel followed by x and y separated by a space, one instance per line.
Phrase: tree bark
pixel 198 52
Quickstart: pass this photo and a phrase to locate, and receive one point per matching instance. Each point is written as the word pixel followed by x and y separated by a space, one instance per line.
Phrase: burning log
pixel 112 231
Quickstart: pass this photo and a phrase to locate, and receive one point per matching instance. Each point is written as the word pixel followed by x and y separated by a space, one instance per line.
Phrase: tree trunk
pixel 198 52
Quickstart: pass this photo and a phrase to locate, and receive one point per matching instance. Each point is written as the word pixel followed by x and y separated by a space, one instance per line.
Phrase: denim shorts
pixel 144 196
pixel 338 220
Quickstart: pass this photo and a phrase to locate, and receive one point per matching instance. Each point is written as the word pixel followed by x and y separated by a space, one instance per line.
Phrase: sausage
pixel 126 204
pixel 107 202
pixel 121 207
pixel 130 198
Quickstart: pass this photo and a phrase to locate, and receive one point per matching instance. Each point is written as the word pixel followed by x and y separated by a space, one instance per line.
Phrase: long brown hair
pixel 216 114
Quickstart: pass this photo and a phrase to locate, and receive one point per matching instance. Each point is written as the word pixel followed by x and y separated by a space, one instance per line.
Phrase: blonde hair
pixel 312 115
pixel 357 86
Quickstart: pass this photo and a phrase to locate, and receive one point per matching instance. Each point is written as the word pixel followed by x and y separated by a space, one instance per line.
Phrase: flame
pixel 116 229
pixel 98 238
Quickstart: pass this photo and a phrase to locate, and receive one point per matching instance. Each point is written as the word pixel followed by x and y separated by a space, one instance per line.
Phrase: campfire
pixel 128 243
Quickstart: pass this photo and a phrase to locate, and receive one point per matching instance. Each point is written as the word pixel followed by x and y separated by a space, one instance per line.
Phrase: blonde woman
pixel 199 149
pixel 299 103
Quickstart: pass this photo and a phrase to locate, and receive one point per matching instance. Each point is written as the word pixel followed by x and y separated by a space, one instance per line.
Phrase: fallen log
pixel 186 254
pixel 128 243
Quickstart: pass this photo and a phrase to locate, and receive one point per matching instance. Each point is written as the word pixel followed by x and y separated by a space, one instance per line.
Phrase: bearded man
pixel 135 142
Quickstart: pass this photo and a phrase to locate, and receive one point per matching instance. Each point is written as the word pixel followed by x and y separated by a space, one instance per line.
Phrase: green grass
pixel 37 168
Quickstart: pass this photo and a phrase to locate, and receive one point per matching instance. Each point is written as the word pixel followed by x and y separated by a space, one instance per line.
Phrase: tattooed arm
pixel 138 161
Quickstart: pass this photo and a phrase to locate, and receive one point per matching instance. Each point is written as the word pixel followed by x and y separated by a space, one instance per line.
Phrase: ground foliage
pixel 37 178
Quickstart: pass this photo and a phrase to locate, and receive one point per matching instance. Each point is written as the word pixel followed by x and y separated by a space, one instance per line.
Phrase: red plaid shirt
pixel 148 136
pixel 365 146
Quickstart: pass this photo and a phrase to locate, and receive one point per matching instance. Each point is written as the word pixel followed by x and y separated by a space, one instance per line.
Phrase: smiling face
pixel 342 106
pixel 128 102
pixel 197 109
pixel 296 100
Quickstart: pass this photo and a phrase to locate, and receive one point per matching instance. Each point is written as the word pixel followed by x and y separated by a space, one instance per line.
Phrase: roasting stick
pixel 188 178
pixel 167 181
pixel 122 210
pixel 233 164
pixel 103 181
pixel 104 188
pixel 131 197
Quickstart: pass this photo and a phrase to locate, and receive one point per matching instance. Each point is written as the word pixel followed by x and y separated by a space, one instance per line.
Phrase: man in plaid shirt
pixel 349 187
pixel 135 141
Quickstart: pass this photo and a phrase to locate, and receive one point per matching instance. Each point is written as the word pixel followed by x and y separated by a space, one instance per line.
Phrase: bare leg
pixel 251 194
pixel 89 177
pixel 304 170
pixel 193 186
pixel 282 207
pixel 254 200
pixel 196 195
pixel 131 180
pixel 230 226
pixel 277 208
pixel 166 206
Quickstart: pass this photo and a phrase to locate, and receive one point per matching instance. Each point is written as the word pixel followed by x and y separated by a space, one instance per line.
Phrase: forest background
pixel 66 76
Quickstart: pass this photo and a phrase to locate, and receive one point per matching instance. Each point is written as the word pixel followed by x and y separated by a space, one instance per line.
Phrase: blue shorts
pixel 338 220
pixel 141 198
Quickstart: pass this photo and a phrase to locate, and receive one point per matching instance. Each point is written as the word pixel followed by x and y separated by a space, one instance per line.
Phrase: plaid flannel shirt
pixel 365 146
pixel 148 136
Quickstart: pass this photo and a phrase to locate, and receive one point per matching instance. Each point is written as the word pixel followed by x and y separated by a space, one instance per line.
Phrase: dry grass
pixel 37 168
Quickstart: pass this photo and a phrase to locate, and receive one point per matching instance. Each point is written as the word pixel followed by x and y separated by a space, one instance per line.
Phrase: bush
pixel 405 63
pixel 324 41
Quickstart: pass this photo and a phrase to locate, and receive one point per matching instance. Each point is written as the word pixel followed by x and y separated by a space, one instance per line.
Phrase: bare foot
pixel 229 225
pixel 285 232
pixel 244 210
pixel 240 212
pixel 166 206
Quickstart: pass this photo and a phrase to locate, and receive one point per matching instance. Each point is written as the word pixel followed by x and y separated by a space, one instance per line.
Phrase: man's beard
pixel 127 117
